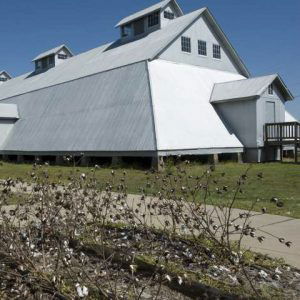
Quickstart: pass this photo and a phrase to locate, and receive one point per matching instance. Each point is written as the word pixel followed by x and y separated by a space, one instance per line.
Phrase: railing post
pixel 296 142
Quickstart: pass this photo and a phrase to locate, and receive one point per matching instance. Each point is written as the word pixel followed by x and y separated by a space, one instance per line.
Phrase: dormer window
pixel 169 15
pixel 51 58
pixel 153 19
pixel 149 19
pixel 62 56
pixel 126 30
pixel 4 76
pixel 270 89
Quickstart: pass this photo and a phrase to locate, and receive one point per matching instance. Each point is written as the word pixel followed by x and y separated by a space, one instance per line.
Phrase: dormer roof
pixel 53 51
pixel 6 74
pixel 248 89
pixel 159 6
pixel 9 111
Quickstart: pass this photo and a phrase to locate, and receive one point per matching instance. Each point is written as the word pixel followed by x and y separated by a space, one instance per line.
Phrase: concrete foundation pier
pixel 214 159
pixel 157 163
pixel 240 157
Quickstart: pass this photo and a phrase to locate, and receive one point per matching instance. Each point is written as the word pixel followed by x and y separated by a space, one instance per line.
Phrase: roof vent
pixel 4 76
pixel 51 58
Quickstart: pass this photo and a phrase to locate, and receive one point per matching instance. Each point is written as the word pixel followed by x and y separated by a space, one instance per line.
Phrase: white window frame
pixel 201 49
pixel 217 51
pixel 186 44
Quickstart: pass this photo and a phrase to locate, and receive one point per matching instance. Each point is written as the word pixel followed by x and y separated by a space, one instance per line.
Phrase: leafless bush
pixel 82 238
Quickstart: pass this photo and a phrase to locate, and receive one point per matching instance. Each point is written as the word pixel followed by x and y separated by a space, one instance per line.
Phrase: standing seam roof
pixel 241 89
pixel 101 59
pixel 109 111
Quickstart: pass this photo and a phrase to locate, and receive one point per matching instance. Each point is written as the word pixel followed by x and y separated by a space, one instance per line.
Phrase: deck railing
pixel 282 133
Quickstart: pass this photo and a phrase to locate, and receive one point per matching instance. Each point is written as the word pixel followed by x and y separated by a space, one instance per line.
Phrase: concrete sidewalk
pixel 271 227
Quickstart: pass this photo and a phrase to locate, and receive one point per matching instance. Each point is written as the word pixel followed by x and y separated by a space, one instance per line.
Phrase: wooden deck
pixel 280 134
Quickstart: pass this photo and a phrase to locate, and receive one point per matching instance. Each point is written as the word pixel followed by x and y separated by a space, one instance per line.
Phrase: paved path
pixel 278 226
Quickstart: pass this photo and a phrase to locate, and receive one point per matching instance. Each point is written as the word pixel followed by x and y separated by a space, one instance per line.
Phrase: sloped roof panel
pixel 110 111
pixel 246 88
pixel 184 118
pixel 100 59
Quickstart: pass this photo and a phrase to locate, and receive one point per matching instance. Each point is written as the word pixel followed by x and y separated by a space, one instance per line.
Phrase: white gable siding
pixel 279 103
pixel 199 31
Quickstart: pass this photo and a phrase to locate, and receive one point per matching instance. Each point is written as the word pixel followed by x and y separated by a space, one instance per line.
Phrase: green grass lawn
pixel 279 180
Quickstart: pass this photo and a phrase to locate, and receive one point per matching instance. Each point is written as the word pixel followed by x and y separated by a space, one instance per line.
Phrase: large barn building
pixel 172 84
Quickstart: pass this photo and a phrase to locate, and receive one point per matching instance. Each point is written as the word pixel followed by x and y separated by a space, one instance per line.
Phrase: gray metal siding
pixel 110 111
pixel 200 30
pixel 240 117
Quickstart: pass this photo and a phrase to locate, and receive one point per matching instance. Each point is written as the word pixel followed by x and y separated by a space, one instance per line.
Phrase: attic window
pixel 62 56
pixel 153 19
pixel 169 15
pixel 202 48
pixel 270 89
pixel 126 30
pixel 186 44
pixel 216 51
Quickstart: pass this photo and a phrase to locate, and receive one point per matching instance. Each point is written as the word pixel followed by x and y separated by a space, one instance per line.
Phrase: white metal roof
pixel 246 88
pixel 158 6
pixel 184 117
pixel 52 51
pixel 103 58
pixel 8 111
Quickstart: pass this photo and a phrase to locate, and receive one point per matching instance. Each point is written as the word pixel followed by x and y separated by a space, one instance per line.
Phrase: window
pixel 3 79
pixel 216 51
pixel 270 89
pixel 153 19
pixel 44 62
pixel 62 56
pixel 186 44
pixel 139 26
pixel 202 48
pixel 51 60
pixel 169 15
pixel 38 64
pixel 126 30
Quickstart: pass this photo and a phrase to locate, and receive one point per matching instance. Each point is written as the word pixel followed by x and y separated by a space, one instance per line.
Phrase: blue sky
pixel 266 33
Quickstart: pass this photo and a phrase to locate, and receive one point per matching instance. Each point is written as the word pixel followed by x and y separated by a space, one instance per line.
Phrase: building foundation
pixel 157 163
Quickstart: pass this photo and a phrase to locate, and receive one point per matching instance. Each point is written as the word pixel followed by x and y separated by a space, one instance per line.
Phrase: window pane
pixel 51 60
pixel 202 48
pixel 216 51
pixel 270 89
pixel 186 44
pixel 138 27
pixel 153 19
pixel 169 15
pixel 126 30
